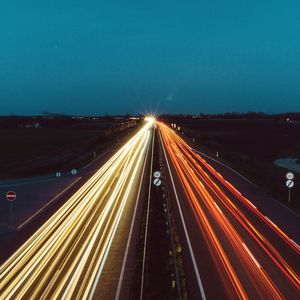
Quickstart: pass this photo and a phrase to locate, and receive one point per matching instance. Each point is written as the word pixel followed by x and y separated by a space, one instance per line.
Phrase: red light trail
pixel 243 254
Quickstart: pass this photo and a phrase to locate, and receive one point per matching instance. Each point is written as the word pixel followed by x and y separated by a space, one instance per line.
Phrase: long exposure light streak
pixel 229 231
pixel 65 257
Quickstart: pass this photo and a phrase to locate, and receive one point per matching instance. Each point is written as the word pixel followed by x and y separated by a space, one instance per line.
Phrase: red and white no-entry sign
pixel 11 196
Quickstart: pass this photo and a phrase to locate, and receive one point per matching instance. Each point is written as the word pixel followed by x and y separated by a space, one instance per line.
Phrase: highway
pixel 66 257
pixel 233 250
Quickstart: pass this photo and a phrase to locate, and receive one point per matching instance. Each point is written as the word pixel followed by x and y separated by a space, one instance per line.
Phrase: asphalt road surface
pixel 233 250
pixel 67 257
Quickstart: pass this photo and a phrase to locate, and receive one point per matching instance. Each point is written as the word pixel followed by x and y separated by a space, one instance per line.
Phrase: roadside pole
pixel 11 213
pixel 289 183
pixel 11 197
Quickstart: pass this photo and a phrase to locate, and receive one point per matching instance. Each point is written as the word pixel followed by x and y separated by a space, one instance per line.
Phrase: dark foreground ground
pixel 38 146
pixel 250 147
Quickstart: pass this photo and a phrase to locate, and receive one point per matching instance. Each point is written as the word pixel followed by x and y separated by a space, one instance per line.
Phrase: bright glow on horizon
pixel 150 119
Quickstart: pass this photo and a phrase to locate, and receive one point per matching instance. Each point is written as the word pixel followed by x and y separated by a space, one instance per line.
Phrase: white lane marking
pixel 96 159
pixel 202 185
pixel 147 221
pixel 107 249
pixel 219 209
pixel 250 203
pixel 130 235
pixel 217 161
pixel 233 187
pixel 219 175
pixel 295 244
pixel 278 202
pixel 270 221
pixel 251 255
pixel 200 285
pixel 47 204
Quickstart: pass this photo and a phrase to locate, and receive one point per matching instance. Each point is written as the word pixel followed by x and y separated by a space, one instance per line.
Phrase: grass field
pixel 27 152
pixel 251 147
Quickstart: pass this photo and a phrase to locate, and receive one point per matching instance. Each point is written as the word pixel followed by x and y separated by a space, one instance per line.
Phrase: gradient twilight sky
pixel 97 57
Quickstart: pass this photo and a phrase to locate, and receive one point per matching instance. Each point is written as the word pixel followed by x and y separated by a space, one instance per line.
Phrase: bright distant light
pixel 150 119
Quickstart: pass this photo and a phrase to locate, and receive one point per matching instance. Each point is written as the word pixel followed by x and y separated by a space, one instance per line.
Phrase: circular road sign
pixel 156 174
pixel 157 182
pixel 73 171
pixel 289 183
pixel 290 175
pixel 11 196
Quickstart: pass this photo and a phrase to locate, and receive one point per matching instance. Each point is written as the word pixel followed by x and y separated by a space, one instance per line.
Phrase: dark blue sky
pixel 92 57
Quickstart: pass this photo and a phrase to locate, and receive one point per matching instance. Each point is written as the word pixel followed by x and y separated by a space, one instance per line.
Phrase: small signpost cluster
pixel 289 183
pixel 73 172
pixel 157 180
pixel 11 197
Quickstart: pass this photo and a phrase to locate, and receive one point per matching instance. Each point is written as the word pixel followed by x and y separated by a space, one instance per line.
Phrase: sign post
pixel 289 183
pixel 73 172
pixel 156 174
pixel 157 182
pixel 11 197
pixel 289 176
pixel 11 213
